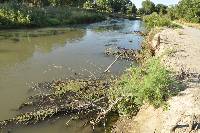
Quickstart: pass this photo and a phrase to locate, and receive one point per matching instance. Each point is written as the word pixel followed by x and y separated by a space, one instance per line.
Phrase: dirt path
pixel 185 46
pixel 181 49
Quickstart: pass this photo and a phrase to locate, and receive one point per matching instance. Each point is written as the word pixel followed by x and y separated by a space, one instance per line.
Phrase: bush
pixel 156 20
pixel 10 15
pixel 189 10
pixel 150 83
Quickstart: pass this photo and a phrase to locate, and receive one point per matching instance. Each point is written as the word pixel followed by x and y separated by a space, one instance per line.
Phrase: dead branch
pixel 105 112
pixel 112 63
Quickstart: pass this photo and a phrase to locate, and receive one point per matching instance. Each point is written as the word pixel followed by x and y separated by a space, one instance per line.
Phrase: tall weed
pixel 151 83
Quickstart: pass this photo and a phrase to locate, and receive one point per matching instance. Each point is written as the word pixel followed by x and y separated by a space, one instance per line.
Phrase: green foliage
pixel 150 83
pixel 119 5
pixel 148 7
pixel 43 3
pixel 89 4
pixel 161 9
pixel 109 5
pixel 10 15
pixel 132 10
pixel 140 11
pixel 188 10
pixel 156 20
pixel 172 12
pixel 21 15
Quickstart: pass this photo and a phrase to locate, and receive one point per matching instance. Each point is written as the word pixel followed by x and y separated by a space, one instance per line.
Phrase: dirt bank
pixel 181 50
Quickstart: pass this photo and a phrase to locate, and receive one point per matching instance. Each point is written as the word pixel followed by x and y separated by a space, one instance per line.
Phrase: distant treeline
pixel 39 13
pixel 123 6
pixel 16 15
pixel 188 10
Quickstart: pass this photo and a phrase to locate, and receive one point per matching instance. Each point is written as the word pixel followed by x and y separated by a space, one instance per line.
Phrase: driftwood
pixel 80 102
pixel 112 63
pixel 104 112
pixel 128 54
pixel 140 33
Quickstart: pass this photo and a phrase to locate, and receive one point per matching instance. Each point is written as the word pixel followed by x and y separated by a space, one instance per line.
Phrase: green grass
pixel 14 16
pixel 150 83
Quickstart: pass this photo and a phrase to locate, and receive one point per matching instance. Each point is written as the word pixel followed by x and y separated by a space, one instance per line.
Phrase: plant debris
pixel 77 97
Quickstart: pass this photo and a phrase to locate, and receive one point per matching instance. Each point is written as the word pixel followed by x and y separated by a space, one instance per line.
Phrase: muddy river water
pixel 38 55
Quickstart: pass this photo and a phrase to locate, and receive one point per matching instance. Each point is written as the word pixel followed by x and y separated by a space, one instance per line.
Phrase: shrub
pixel 10 15
pixel 156 20
pixel 150 83
pixel 89 5
pixel 189 10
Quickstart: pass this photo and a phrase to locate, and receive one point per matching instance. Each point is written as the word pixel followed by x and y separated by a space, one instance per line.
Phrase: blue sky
pixel 166 2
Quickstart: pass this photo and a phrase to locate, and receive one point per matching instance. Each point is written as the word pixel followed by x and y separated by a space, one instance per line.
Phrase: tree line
pixel 124 6
pixel 189 10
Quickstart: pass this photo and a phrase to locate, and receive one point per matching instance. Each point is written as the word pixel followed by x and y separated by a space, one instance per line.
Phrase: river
pixel 32 56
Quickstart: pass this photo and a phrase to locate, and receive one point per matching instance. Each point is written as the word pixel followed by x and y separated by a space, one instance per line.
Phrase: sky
pixel 166 2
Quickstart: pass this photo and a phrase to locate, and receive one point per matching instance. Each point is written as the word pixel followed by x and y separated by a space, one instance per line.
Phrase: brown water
pixel 38 55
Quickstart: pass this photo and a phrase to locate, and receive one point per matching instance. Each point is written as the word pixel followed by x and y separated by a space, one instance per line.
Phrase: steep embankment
pixel 182 54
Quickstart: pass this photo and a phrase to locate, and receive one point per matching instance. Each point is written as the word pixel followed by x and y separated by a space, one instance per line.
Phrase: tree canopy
pixel 189 10
pixel 148 7
pixel 160 8
pixel 102 5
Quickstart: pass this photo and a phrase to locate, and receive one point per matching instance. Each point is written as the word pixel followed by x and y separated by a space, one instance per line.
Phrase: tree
pixel 160 8
pixel 189 10
pixel 120 5
pixel 113 5
pixel 134 9
pixel 172 12
pixel 148 7
pixel 140 11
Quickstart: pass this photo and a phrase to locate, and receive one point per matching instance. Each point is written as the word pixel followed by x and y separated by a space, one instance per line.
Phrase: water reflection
pixel 18 46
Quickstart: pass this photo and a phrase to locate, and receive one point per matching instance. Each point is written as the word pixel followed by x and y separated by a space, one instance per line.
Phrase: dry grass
pixel 194 25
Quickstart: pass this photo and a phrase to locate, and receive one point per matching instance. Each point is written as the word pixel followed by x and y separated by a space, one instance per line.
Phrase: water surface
pixel 38 55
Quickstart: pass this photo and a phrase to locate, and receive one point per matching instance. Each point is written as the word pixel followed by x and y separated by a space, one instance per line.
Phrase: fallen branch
pixel 105 112
pixel 112 63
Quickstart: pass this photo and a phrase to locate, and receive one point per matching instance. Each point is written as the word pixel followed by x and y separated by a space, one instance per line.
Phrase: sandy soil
pixel 181 49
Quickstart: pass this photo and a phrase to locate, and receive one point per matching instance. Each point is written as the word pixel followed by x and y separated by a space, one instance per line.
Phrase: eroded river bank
pixel 34 56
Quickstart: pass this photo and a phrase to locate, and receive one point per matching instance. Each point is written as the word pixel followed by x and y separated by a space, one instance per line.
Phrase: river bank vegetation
pixel 149 82
pixel 41 13
pixel 95 98
pixel 18 15
pixel 161 15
